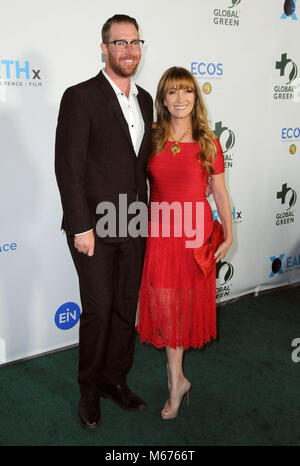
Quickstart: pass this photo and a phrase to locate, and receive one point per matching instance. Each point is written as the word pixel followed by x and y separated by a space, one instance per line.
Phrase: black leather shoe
pixel 89 410
pixel 121 395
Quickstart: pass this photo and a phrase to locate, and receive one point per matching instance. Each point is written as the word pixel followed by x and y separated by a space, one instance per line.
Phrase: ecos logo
pixel 291 135
pixel 67 316
pixel 205 70
pixel 289 9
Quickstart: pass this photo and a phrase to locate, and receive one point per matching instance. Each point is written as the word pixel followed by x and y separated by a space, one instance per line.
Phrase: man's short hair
pixel 116 19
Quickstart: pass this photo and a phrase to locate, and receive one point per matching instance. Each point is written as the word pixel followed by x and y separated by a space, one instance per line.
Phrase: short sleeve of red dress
pixel 219 160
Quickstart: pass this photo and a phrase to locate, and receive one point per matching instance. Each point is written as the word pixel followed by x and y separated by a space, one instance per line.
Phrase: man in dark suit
pixel 103 142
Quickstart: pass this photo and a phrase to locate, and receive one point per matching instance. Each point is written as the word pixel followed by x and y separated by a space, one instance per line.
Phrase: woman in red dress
pixel 177 304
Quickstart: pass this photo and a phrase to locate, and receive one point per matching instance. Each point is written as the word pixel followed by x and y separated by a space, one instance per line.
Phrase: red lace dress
pixel 177 303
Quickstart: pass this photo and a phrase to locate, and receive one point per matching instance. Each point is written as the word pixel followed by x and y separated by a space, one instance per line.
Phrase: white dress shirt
pixel 132 114
pixel 131 111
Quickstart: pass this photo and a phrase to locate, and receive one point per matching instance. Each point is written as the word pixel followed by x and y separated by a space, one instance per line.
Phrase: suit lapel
pixel 113 102
pixel 145 118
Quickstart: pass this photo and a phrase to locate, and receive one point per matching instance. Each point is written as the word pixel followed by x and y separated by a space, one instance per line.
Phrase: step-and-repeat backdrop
pixel 245 55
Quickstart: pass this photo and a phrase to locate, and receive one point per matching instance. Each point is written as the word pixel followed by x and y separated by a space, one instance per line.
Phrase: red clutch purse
pixel 205 254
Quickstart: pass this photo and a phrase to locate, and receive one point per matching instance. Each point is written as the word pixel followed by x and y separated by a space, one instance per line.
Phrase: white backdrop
pixel 245 55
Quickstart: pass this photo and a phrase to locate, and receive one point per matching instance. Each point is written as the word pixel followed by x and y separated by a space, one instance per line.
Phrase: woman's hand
pixel 223 206
pixel 222 250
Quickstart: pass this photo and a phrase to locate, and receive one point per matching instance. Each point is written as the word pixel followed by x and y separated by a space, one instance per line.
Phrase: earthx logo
pixel 276 267
pixel 15 73
pixel 289 10
pixel 283 264
pixel 235 212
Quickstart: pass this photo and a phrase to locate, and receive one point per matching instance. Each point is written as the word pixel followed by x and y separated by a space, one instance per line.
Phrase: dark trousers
pixel 109 285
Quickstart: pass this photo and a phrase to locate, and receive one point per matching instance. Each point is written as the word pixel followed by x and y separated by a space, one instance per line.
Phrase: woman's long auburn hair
pixel 181 78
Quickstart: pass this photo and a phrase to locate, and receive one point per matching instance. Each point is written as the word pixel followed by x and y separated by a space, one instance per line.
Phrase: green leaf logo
pixel 293 199
pixel 234 3
pixel 230 141
pixel 293 74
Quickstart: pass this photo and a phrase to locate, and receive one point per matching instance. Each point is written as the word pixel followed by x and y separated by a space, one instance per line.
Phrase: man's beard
pixel 123 72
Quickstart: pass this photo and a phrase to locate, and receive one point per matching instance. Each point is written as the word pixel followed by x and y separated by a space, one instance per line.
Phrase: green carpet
pixel 245 388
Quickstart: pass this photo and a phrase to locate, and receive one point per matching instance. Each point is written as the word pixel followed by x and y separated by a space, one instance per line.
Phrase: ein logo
pixel 67 316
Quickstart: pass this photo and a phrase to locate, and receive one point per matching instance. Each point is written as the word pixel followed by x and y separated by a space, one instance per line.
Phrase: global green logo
pixel 282 195
pixel 288 198
pixel 235 3
pixel 288 71
pixel 226 134
pixel 227 16
pixel 224 273
pixel 282 66
pixel 227 140
pixel 227 271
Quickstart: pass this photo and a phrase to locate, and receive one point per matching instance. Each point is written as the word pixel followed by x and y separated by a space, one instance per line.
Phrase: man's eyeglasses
pixel 122 44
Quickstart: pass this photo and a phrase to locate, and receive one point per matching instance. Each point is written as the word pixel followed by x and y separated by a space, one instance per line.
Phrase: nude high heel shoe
pixel 169 412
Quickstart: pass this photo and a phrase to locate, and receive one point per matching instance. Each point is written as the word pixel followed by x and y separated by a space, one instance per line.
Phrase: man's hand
pixel 85 243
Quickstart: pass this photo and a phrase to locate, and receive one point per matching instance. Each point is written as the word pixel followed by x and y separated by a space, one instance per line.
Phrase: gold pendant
pixel 175 149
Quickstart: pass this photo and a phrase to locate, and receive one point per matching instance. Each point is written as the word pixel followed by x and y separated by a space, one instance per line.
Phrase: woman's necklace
pixel 175 148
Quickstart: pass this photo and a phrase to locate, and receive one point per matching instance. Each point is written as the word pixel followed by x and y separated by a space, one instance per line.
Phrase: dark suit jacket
pixel 94 157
